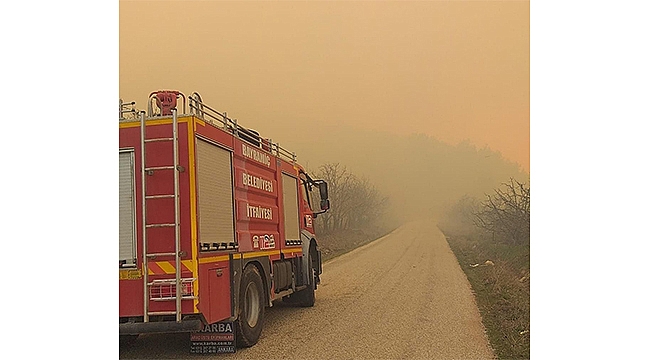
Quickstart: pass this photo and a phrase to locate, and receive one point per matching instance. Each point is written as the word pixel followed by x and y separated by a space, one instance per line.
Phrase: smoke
pixel 421 175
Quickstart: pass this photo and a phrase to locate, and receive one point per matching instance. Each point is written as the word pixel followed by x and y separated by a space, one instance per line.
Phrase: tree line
pixel 504 214
pixel 355 202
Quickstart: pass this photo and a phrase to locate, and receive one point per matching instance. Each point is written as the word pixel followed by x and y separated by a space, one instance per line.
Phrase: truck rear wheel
pixel 251 308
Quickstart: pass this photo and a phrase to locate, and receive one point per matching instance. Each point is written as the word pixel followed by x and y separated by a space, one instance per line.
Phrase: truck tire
pixel 306 297
pixel 250 314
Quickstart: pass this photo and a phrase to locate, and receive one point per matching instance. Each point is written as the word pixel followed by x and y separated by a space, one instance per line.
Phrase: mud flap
pixel 306 242
pixel 318 267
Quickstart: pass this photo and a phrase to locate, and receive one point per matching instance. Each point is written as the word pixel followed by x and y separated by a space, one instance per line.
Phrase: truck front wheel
pixel 251 308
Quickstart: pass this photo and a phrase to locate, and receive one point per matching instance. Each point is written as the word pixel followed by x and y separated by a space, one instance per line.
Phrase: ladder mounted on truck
pixel 166 102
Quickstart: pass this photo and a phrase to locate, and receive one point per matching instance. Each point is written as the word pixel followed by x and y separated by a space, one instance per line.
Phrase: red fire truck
pixel 216 222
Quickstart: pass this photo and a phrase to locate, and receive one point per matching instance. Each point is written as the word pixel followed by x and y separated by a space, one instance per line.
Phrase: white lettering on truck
pixel 257 182
pixel 259 212
pixel 258 156
pixel 217 328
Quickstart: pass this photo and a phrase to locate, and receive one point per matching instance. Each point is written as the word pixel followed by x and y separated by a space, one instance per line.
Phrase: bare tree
pixel 356 203
pixel 506 213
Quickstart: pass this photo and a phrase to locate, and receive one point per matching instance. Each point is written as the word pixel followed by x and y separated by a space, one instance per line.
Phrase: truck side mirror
pixel 325 204
pixel 322 186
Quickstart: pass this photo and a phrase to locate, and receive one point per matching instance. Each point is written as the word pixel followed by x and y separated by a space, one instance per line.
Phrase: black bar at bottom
pixel 160 327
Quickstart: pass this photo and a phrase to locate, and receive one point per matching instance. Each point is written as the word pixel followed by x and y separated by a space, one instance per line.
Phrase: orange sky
pixel 454 70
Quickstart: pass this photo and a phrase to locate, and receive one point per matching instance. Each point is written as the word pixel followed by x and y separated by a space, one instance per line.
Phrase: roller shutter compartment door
pixel 127 210
pixel 215 197
pixel 290 200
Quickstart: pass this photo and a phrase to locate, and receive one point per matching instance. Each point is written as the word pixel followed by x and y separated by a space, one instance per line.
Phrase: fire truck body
pixel 213 212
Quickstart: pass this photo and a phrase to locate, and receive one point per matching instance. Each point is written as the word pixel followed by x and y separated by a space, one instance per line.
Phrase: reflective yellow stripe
pixel 214 259
pixel 130 274
pixel 188 264
pixel 261 253
pixel 238 256
pixel 191 128
pixel 167 267
pixel 130 124
pixel 291 251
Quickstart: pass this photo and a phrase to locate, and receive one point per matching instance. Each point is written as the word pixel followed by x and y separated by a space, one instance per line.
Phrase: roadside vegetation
pixel 491 239
pixel 358 212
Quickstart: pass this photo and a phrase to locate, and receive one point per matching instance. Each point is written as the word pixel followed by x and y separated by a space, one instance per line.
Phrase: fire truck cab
pixel 215 222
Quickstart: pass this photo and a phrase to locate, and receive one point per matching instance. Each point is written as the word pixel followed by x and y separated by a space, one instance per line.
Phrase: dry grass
pixel 502 291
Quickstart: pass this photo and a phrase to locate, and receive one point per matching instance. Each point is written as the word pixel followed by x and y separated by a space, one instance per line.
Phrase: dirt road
pixel 402 296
